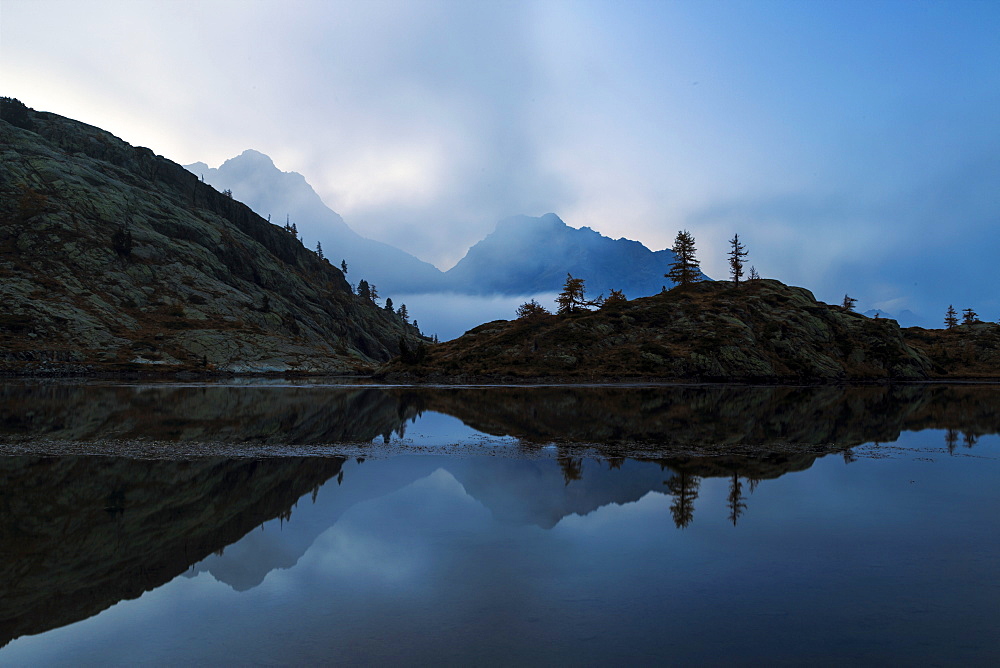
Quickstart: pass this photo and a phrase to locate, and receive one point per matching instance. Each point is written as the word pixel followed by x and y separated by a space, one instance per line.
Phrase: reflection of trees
pixel 951 440
pixel 572 467
pixel 717 417
pixel 684 488
pixel 736 499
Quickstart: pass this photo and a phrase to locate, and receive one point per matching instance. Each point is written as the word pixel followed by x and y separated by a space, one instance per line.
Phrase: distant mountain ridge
pixel 524 255
pixel 256 181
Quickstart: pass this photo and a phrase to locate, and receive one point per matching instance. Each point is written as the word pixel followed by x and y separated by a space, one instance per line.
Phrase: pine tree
pixel 319 250
pixel 343 266
pixel 753 275
pixel 950 318
pixel 684 270
pixel 571 299
pixel 969 317
pixel 374 293
pixel 403 313
pixel 736 254
pixel 848 303
pixel 364 290
pixel 388 305
pixel 615 298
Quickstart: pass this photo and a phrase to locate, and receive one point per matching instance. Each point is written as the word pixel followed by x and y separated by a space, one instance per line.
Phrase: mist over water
pixel 450 315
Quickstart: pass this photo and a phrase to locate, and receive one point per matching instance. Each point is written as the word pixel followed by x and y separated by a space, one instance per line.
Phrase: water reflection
pixel 80 533
pixel 676 418
pixel 417 559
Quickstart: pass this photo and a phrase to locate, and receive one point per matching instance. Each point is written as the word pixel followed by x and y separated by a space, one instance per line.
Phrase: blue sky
pixel 854 145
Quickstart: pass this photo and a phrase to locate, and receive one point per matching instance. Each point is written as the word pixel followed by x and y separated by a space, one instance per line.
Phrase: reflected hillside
pixel 730 419
pixel 79 534
pixel 255 414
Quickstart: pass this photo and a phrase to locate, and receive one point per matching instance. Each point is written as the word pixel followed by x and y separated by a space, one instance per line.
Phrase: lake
pixel 276 522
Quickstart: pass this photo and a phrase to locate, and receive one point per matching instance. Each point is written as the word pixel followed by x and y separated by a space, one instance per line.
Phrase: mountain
pixel 522 256
pixel 763 331
pixel 114 258
pixel 905 318
pixel 527 255
pixel 285 196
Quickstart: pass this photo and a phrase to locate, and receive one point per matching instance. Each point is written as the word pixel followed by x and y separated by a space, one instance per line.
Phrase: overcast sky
pixel 855 145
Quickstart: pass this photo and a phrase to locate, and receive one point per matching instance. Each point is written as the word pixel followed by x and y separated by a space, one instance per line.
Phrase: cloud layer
pixel 849 144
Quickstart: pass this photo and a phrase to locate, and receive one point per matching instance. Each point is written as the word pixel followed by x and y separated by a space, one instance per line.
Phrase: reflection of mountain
pixel 246 563
pixel 732 419
pixel 255 414
pixel 79 534
pixel 538 492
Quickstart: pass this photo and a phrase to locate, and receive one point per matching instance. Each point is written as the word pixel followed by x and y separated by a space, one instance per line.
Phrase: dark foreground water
pixel 310 524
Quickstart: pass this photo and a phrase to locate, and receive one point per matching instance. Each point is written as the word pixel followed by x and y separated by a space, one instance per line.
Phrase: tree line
pixel 685 270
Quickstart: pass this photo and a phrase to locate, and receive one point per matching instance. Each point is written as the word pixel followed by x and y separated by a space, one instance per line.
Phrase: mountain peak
pixel 251 156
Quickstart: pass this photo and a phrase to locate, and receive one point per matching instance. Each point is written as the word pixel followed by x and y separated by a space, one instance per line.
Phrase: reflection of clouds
pixel 390 541
pixel 425 574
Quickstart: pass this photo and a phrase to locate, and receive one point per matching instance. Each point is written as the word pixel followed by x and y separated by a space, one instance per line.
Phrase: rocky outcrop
pixel 969 351
pixel 762 331
pixel 112 257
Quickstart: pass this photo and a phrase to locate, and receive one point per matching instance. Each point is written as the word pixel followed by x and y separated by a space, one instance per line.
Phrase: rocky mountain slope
pixel 253 179
pixel 112 257
pixel 764 330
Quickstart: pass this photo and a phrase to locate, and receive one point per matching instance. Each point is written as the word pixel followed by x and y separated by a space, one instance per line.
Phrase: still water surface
pixel 310 524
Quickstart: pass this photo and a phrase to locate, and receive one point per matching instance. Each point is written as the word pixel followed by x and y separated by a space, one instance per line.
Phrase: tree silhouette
pixel 343 266
pixel 969 317
pixel 403 314
pixel 950 318
pixel 848 303
pixel 615 298
pixel 319 250
pixel 364 290
pixel 684 270
pixel 388 305
pixel 572 299
pixel 531 309
pixel 736 254
pixel 753 275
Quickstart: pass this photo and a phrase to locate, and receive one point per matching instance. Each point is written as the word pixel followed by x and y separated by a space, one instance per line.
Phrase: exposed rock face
pixel 764 330
pixel 113 257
